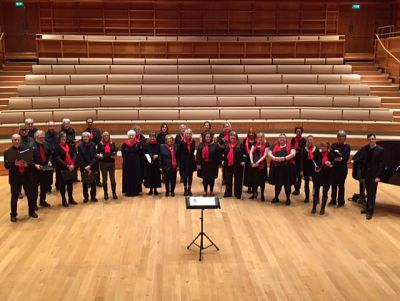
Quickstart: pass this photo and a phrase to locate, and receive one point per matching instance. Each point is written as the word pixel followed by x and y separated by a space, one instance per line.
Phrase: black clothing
pixel 209 170
pixel 107 157
pixel 308 167
pixel 95 135
pixel 339 172
pixel 247 179
pixel 297 159
pixel 31 133
pixel 17 180
pixel 131 164
pixel 161 138
pixel 186 159
pixel 27 142
pixel 60 157
pixel 41 178
pixel 70 132
pixel 152 176
pixel 178 138
pixel 169 172
pixel 87 155
pixel 233 175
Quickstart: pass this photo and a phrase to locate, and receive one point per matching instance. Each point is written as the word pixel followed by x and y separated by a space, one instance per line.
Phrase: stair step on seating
pixel 12 77
pixel 13 73
pixel 362 73
pixel 386 93
pixel 8 94
pixel 17 68
pixel 8 88
pixel 384 88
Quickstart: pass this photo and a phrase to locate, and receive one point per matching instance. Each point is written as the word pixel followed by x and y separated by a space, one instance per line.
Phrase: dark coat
pixel 59 156
pixel 165 157
pixel 186 160
pixel 131 169
pixel 70 135
pixel 371 162
pixel 208 170
pixel 339 170
pixel 87 155
pixel 96 135
pixel 239 156
pixel 161 138
pixel 52 139
pixel 14 176
pixel 152 176
pixel 47 150
pixel 308 166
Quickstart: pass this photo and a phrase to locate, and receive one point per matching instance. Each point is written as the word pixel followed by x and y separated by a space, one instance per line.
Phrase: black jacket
pixel 371 162
pixel 96 135
pixel 14 175
pixel 107 157
pixel 87 155
pixel 52 139
pixel 165 157
pixel 70 135
pixel 47 150
pixel 59 156
pixel 239 156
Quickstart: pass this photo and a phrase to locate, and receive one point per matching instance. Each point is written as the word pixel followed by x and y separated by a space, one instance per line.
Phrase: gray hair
pixel 341 133
pixel 66 120
pixel 131 133
pixel 85 134
pixel 38 132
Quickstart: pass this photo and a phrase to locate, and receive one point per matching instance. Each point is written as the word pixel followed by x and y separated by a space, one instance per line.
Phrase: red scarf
pixel 231 153
pixel 91 134
pixel 226 135
pixel 297 142
pixel 68 159
pixel 188 144
pixel 153 142
pixel 107 147
pixel 310 152
pixel 247 145
pixel 205 152
pixel 262 152
pixel 325 157
pixel 21 168
pixel 131 144
pixel 173 158
pixel 42 153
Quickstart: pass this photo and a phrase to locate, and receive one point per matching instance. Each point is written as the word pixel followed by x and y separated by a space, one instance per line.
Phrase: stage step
pixel 359 56
pixel 8 94
pixel 386 93
pixel 384 88
pixel 8 67
pixel 21 56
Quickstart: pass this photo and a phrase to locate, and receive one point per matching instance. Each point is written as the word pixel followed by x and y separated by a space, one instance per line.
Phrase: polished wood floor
pixel 135 249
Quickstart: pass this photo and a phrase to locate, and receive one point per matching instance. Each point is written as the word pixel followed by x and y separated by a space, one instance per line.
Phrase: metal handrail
pixel 386 50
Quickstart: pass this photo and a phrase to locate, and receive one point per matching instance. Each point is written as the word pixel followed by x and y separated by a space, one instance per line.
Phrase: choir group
pixel 36 154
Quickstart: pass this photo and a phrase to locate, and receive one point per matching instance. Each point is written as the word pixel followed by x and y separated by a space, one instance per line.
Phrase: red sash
pixel 205 153
pixel 262 152
pixel 231 153
pixel 42 153
pixel 310 152
pixel 68 159
pixel 131 144
pixel 188 144
pixel 173 159
pixel 325 157
pixel 107 147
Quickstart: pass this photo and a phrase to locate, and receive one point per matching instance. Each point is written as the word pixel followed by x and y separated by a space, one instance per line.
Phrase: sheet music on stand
pixel 201 202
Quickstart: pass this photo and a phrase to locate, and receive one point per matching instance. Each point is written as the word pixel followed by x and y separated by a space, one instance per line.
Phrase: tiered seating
pixel 194 89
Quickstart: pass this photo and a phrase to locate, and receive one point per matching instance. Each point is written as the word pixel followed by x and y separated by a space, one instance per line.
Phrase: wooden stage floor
pixel 135 249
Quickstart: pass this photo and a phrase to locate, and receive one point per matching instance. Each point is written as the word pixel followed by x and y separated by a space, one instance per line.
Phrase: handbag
pixel 68 175
pixel 88 178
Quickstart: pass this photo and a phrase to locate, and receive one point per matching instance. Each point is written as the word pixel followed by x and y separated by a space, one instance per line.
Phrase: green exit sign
pixel 19 4
pixel 356 6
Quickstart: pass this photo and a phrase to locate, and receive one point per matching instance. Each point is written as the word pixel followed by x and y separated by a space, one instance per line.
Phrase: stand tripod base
pixel 202 235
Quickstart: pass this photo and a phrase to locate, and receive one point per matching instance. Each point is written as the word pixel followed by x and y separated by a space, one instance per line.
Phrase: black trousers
pixel 372 188
pixel 325 189
pixel 85 190
pixel 24 181
pixel 208 182
pixel 297 184
pixel 170 180
pixel 338 180
pixel 233 178
pixel 187 179
pixel 41 180
pixel 307 184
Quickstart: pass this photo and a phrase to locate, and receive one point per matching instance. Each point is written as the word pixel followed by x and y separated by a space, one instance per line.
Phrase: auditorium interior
pixel 271 65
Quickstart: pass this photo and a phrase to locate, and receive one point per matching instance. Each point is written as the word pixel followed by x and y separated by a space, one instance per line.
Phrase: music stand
pixel 202 203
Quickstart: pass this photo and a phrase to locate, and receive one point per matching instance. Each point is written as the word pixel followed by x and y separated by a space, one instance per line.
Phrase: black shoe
pixel 340 205
pixel 44 204
pixel 20 196
pixel 72 202
pixel 36 208
pixel 369 215
pixel 189 192
pixel 13 219
pixel 115 197
pixel 307 200
pixel 363 211
pixel 172 193
pixel 227 196
pixel 275 200
pixel 262 198
pixel 85 200
pixel 155 192
pixel 322 212
pixel 254 196
pixel 314 210
pixel 98 184
pixel 150 192
pixel 332 203
pixel 287 203
pixel 64 203
pixel 106 196
pixel 296 192
pixel 33 214
pixel 167 194
pixel 94 200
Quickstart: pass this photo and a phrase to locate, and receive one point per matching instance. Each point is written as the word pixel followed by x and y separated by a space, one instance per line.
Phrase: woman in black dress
pixel 233 164
pixel 65 156
pixel 106 152
pixel 208 158
pixel 87 158
pixel 169 164
pixel 283 168
pixel 322 178
pixel 298 143
pixel 258 166
pixel 152 176
pixel 131 151
pixel 187 161
pixel 311 159
pixel 162 134
pixel 248 143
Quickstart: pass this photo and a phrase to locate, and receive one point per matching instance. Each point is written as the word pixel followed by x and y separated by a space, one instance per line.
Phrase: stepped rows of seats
pixel 193 89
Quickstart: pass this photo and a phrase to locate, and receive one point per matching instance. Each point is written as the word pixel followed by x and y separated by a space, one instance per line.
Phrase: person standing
pixel 322 178
pixel 298 143
pixel 31 128
pixel 233 164
pixel 152 176
pixel 162 134
pixel 87 161
pixel 69 131
pixel 20 175
pixel 106 152
pixel 311 159
pixel 51 137
pixel 206 128
pixel 131 150
pixel 65 155
pixel 248 143
pixel 341 154
pixel 95 137
pixel 283 168
pixel 258 166
pixel 43 171
pixel 372 171
pixel 208 158
pixel 169 164
pixel 142 140
pixel 187 161
pixel 179 137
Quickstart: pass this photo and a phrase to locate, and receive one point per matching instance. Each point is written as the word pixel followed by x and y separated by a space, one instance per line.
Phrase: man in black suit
pixel 95 137
pixel 20 175
pixel 372 169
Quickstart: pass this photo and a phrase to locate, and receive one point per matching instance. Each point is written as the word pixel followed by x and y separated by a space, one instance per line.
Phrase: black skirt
pixel 282 174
